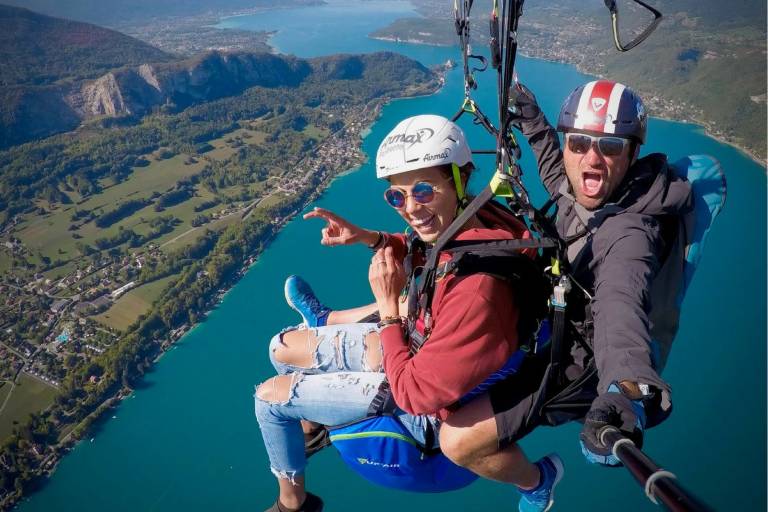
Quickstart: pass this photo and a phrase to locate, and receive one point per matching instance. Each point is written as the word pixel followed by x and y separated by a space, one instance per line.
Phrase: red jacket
pixel 474 330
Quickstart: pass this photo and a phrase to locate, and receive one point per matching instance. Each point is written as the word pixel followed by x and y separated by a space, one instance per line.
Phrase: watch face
pixel 633 390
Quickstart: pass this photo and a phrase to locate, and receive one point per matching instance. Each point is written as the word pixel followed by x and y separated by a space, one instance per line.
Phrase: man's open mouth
pixel 591 183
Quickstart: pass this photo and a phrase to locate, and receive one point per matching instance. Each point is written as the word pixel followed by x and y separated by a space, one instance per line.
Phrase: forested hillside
pixel 40 50
pixel 705 62
pixel 50 168
pixel 119 236
pixel 130 87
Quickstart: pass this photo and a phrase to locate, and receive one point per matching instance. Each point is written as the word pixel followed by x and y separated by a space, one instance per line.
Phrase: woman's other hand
pixel 339 231
pixel 387 278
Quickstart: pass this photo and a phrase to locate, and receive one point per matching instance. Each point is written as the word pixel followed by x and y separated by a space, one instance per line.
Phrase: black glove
pixel 615 409
pixel 522 105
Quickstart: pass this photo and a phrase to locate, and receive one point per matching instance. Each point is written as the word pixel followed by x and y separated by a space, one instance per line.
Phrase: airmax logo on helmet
pixel 440 156
pixel 421 135
pixel 598 103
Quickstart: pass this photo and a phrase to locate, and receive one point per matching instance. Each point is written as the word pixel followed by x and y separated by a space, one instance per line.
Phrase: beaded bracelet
pixel 384 240
pixel 390 320
pixel 375 245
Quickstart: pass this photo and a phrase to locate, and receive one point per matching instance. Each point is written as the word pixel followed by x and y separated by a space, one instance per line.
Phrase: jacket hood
pixel 499 224
pixel 651 187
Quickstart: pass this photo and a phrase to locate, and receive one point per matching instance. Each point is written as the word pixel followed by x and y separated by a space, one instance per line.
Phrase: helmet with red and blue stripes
pixel 604 107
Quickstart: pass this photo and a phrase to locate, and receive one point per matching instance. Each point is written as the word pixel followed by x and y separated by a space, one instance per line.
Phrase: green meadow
pixel 49 235
pixel 132 304
pixel 28 396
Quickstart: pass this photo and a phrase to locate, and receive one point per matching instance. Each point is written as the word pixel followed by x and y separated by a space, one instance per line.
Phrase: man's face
pixel 594 176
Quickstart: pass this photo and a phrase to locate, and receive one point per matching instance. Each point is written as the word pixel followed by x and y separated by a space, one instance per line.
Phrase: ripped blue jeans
pixel 337 389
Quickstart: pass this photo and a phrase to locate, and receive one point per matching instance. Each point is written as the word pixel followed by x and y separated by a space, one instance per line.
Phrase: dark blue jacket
pixel 616 253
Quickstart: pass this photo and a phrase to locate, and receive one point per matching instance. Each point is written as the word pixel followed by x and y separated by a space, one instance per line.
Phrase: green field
pixel 133 303
pixel 5 388
pixel 49 235
pixel 272 200
pixel 28 396
pixel 315 132
pixel 223 149
pixel 158 176
pixel 190 235
pixel 5 261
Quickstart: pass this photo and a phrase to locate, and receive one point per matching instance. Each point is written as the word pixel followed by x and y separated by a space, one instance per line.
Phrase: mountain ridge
pixel 115 13
pixel 36 49
pixel 56 73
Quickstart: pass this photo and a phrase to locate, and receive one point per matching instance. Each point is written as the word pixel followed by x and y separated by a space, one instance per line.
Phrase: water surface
pixel 187 439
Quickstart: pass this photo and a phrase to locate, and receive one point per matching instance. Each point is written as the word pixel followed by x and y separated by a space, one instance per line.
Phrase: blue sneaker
pixel 299 295
pixel 541 498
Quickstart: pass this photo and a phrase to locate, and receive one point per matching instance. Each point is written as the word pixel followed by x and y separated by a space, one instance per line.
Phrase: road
pixel 7 398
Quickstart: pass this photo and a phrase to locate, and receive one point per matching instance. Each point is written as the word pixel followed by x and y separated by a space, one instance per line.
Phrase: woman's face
pixel 428 220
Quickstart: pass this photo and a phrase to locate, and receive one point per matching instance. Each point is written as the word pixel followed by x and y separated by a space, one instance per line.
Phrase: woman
pixel 329 375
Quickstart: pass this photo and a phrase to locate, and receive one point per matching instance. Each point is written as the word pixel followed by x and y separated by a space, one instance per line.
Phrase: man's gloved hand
pixel 611 408
pixel 523 105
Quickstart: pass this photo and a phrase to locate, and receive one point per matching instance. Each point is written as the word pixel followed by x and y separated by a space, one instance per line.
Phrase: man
pixel 617 214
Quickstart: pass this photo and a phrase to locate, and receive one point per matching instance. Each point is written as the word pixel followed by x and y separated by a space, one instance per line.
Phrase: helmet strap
pixel 460 193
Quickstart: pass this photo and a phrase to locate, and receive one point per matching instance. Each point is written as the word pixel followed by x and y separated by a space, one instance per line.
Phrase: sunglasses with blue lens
pixel 609 146
pixel 422 192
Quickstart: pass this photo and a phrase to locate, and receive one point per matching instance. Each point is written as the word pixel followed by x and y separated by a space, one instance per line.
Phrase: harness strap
pixel 503 245
pixel 558 334
pixel 383 402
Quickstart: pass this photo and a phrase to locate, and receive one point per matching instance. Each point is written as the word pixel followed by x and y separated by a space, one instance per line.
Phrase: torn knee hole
pixel 275 390
pixel 297 348
pixel 372 352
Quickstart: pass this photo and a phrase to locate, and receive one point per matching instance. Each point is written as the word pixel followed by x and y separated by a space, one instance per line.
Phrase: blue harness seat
pixel 381 450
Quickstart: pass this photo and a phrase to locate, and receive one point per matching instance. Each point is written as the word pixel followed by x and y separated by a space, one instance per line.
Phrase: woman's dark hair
pixel 465 170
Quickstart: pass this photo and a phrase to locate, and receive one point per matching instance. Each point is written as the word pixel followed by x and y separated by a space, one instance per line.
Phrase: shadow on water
pixel 143 384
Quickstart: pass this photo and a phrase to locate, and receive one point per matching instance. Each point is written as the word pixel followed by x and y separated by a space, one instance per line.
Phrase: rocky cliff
pixel 136 91
pixel 31 112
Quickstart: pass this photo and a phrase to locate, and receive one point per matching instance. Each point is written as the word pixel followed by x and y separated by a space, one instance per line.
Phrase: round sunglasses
pixel 422 192
pixel 608 146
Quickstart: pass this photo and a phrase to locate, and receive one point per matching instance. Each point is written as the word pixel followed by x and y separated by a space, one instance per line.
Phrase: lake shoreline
pixel 70 441
pixel 706 127
pixel 217 475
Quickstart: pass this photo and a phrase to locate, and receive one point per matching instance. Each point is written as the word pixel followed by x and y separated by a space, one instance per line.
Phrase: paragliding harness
pixel 379 447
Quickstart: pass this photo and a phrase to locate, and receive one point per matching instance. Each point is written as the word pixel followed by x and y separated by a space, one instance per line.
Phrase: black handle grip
pixel 660 485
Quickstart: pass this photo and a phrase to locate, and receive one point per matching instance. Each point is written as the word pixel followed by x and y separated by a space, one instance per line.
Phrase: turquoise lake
pixel 187 438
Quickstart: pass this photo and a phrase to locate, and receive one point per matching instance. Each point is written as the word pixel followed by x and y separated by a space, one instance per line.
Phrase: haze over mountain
pixel 56 73
pixel 713 13
pixel 705 63
pixel 115 12
pixel 36 49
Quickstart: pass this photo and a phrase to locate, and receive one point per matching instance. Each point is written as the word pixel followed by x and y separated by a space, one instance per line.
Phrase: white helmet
pixel 422 141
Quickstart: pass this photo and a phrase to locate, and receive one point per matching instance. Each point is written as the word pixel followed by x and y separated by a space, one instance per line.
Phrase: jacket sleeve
pixel 542 138
pixel 398 243
pixel 621 303
pixel 470 341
